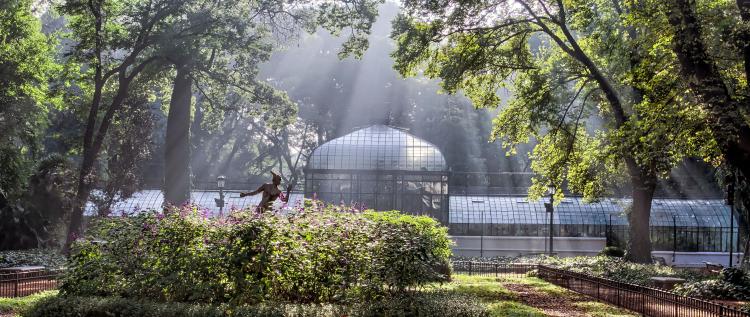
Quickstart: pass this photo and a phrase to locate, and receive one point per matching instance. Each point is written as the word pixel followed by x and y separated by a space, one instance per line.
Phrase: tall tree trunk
pixel 639 242
pixel 731 131
pixel 83 191
pixel 725 119
pixel 177 145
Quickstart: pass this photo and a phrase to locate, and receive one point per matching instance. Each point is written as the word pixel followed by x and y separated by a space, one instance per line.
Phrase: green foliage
pixel 589 100
pixel 319 254
pixel 26 64
pixel 613 268
pixel 732 284
pixel 18 304
pixel 118 307
pixel 412 250
pixel 613 251
pixel 437 303
pixel 36 219
pixel 48 258
pixel 714 289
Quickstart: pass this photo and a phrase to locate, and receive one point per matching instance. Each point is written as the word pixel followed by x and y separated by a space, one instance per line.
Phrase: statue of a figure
pixel 270 192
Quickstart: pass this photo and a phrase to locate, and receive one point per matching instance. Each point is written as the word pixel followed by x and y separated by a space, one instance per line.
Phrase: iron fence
pixel 492 269
pixel 644 300
pixel 24 283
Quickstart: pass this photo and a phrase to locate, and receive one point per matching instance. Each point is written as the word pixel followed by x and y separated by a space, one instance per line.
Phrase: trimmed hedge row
pixel 415 304
pixel 319 254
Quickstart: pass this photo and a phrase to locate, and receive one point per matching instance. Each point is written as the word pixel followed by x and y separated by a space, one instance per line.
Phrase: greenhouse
pixel 380 167
pixel 676 225
pixel 384 168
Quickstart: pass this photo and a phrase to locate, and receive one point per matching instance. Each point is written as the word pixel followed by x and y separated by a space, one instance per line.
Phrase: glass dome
pixel 378 147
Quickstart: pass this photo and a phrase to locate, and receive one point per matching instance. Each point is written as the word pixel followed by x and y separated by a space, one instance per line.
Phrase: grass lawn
pixel 529 297
pixel 11 306
pixel 512 297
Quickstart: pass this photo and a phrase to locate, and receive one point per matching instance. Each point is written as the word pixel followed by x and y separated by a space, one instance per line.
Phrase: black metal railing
pixel 492 269
pixel 24 283
pixel 641 299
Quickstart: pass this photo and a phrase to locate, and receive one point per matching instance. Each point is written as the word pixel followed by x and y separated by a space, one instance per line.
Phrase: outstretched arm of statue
pixel 285 197
pixel 255 192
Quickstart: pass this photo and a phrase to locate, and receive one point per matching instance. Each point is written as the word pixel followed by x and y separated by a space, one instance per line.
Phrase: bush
pixel 731 285
pixel 412 250
pixel 414 304
pixel 604 266
pixel 61 306
pixel 613 252
pixel 734 275
pixel 318 254
pixel 48 258
pixel 714 289
pixel 439 303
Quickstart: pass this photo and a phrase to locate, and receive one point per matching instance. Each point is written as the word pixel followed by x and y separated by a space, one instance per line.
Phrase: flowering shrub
pixel 317 254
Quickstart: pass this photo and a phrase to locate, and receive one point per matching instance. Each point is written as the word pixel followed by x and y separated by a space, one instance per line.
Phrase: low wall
pixel 697 259
pixel 490 246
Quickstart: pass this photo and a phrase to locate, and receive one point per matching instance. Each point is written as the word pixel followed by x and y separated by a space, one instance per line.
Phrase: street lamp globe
pixel 551 189
pixel 220 181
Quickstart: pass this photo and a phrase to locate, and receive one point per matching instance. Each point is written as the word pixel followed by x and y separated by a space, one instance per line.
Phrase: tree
pixel 118 43
pixel 222 56
pixel 711 40
pixel 589 84
pixel 26 64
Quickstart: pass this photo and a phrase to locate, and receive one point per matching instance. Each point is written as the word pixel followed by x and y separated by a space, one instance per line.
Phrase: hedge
pixel 413 304
pixel 318 254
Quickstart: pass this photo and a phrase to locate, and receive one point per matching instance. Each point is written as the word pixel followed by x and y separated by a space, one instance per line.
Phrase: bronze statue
pixel 270 192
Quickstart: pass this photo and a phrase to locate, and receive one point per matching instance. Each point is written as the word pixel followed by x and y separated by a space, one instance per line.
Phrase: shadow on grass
pixel 490 291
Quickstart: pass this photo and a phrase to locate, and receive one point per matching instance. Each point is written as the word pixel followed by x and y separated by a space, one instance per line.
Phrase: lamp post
pixel 220 181
pixel 551 210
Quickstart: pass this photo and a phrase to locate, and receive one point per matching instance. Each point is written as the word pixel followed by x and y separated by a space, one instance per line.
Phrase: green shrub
pixel 732 284
pixel 10 305
pixel 412 304
pixel 734 275
pixel 48 258
pixel 411 250
pixel 61 306
pixel 174 257
pixel 714 289
pixel 438 303
pixel 616 252
pixel 316 255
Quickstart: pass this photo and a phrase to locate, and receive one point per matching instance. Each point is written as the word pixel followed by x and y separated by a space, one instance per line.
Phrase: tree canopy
pixel 594 83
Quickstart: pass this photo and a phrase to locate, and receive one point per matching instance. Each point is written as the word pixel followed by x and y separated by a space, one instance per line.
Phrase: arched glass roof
pixel 378 147
pixel 152 199
pixel 518 210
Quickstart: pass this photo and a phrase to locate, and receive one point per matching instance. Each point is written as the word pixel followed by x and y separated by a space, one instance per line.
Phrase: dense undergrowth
pixel 49 258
